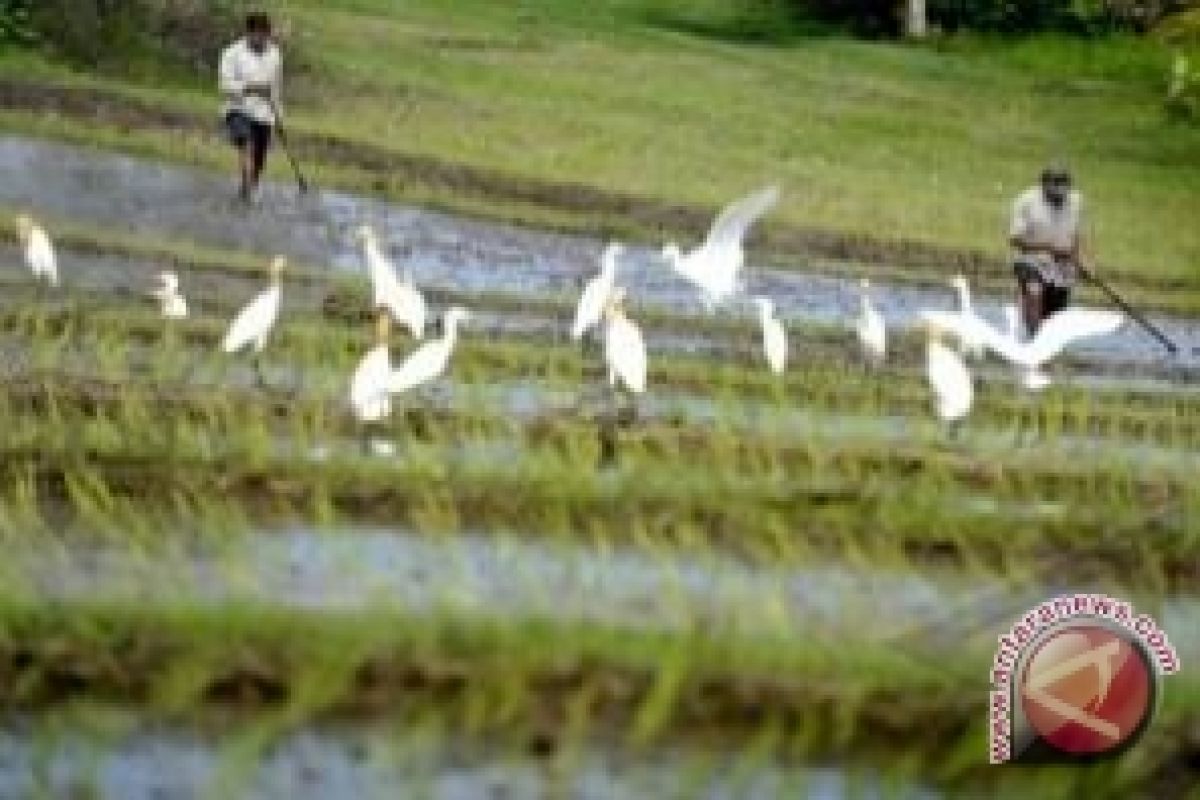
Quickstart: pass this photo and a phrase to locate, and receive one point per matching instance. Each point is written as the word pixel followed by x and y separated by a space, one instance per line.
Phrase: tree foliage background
pixel 999 16
pixel 96 32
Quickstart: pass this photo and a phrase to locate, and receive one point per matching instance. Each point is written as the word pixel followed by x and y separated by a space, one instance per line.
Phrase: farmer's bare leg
pixel 258 151
pixel 249 172
pixel 1031 306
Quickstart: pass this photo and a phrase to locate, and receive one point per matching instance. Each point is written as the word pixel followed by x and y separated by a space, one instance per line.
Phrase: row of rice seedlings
pixel 511 674
pixel 778 514
pixel 226 425
pixel 310 350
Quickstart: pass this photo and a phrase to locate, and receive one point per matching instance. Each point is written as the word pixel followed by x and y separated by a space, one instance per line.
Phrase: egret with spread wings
pixel 713 266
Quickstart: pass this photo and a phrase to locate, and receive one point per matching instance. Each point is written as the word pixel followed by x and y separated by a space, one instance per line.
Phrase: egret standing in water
pixel 254 323
pixel 171 301
pixel 429 361
pixel 624 348
pixel 952 386
pixel 400 297
pixel 370 400
pixel 369 397
pixel 713 266
pixel 39 252
pixel 590 309
pixel 872 333
pixel 774 338
pixel 972 342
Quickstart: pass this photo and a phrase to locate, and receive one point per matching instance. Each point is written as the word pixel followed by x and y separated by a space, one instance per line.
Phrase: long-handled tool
pixel 1132 312
pixel 301 181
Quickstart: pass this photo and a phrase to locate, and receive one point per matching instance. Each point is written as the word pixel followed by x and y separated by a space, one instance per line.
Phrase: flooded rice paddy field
pixel 566 586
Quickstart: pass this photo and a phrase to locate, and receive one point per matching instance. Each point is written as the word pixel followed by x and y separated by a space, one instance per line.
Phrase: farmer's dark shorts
pixel 243 130
pixel 1054 297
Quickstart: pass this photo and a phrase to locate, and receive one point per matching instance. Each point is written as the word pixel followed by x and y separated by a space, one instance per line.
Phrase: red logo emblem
pixel 1087 689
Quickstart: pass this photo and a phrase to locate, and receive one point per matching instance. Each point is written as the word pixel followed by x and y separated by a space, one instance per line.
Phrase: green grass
pixel 888 140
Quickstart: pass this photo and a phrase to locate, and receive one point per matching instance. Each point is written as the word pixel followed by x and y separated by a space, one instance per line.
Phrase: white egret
pixel 171 300
pixel 872 332
pixel 430 359
pixel 590 309
pixel 713 266
pixel 972 337
pixel 369 397
pixel 400 297
pixel 624 348
pixel 39 252
pixel 253 324
pixel 948 376
pixel 1032 379
pixel 1055 334
pixel 774 338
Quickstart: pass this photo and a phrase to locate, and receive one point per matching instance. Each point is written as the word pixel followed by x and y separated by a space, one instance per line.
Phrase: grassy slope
pixel 891 140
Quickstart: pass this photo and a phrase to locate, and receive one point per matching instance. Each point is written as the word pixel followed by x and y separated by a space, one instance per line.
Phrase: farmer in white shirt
pixel 1044 235
pixel 249 80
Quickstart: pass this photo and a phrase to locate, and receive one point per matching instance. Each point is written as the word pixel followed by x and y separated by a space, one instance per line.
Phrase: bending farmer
pixel 249 80
pixel 1045 237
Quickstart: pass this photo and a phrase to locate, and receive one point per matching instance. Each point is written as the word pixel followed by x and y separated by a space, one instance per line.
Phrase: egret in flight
pixel 39 252
pixel 872 333
pixel 590 309
pixel 171 301
pixel 1057 332
pixel 952 386
pixel 774 339
pixel 254 323
pixel 429 361
pixel 713 266
pixel 400 297
pixel 624 348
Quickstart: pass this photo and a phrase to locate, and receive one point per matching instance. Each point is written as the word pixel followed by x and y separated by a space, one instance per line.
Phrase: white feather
pixel 950 380
pixel 713 267
pixel 1056 333
pixel 872 332
pixel 401 298
pixel 972 334
pixel 429 361
pixel 590 309
pixel 625 353
pixel 774 337
pixel 254 322
pixel 369 398
pixel 39 255
pixel 172 303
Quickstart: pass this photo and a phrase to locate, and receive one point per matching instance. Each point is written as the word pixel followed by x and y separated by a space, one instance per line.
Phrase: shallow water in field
pixel 357 568
pixel 343 569
pixel 147 761
pixel 442 250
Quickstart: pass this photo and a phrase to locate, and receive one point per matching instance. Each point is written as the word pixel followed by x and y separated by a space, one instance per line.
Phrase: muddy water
pixel 440 250
pixel 143 761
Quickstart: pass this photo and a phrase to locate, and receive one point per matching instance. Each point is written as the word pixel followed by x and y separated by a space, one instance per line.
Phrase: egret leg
pixel 258 371
pixel 606 434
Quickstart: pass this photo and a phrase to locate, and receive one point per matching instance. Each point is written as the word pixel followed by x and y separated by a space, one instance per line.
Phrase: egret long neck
pixel 964 297
pixel 451 335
